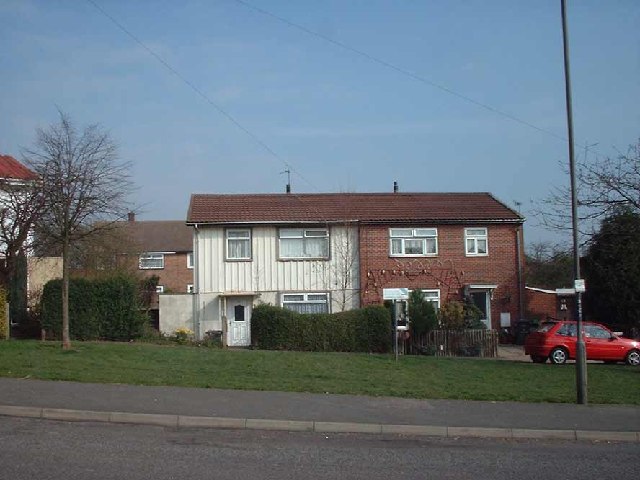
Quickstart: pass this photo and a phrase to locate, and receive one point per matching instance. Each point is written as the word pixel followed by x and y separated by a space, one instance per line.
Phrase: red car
pixel 556 340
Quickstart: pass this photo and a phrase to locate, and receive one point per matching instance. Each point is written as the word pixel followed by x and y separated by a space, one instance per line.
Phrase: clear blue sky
pixel 342 121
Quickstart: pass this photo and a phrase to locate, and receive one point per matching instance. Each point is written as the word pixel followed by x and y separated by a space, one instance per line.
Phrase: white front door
pixel 238 321
pixel 482 300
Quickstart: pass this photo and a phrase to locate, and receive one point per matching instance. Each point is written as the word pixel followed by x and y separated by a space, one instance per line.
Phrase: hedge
pixel 364 330
pixel 98 309
pixel 4 321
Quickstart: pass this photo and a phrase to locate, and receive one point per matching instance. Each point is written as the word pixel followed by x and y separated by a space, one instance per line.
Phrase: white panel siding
pixel 265 273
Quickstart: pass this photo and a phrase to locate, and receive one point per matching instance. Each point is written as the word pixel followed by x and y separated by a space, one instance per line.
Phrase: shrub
pixel 455 315
pixel 363 330
pixel 4 321
pixel 421 313
pixel 98 309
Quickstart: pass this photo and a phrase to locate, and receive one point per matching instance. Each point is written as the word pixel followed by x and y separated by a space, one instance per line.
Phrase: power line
pixel 398 69
pixel 287 165
pixel 203 95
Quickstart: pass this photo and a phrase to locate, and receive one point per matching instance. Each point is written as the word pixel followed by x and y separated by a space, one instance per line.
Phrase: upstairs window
pixel 475 240
pixel 238 244
pixel 301 243
pixel 151 261
pixel 413 242
pixel 190 260
pixel 306 302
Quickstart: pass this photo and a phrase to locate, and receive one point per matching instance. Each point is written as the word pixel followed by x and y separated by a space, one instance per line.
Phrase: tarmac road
pixel 42 449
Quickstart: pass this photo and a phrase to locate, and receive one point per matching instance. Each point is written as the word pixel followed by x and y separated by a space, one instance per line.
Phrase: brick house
pixel 162 248
pixel 330 252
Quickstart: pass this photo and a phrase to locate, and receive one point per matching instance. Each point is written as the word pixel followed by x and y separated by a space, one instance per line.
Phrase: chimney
pixel 288 190
pixel 395 187
pixel 131 216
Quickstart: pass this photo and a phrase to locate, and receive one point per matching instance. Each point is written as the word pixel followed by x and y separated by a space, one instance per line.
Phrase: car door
pixel 600 344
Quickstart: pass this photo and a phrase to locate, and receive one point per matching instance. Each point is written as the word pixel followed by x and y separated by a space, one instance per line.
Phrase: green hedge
pixel 365 330
pixel 4 321
pixel 98 309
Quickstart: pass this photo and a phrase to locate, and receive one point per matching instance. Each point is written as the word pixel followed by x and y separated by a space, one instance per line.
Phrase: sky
pixel 222 96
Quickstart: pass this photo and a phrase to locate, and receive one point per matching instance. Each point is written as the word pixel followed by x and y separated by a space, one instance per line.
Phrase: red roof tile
pixel 13 169
pixel 160 235
pixel 339 207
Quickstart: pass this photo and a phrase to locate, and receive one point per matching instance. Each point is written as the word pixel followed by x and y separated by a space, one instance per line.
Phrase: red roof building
pixel 335 251
pixel 12 169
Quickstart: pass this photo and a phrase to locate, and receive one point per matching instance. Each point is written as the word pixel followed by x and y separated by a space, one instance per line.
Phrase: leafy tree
pixel 84 190
pixel 421 313
pixel 612 271
pixel 549 266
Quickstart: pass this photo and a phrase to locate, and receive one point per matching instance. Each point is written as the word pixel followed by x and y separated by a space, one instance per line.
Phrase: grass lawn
pixel 359 374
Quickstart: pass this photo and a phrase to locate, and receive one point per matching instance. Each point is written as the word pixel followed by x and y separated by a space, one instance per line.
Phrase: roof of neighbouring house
pixel 339 207
pixel 10 168
pixel 160 235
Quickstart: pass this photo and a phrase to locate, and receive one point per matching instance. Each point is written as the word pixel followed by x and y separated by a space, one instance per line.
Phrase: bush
pixel 363 330
pixel 98 309
pixel 422 314
pixel 455 315
pixel 4 321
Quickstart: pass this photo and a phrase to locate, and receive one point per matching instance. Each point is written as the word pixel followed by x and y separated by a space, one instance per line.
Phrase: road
pixel 32 448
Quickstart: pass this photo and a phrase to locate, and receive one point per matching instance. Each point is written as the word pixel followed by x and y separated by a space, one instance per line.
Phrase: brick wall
pixel 175 276
pixel 449 271
pixel 541 305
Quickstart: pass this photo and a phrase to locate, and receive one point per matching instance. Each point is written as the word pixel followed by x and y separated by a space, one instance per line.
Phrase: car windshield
pixel 546 326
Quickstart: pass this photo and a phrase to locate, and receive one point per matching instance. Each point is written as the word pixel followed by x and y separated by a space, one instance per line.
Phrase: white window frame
pixel 151 256
pixel 429 297
pixel 413 234
pixel 247 238
pixel 306 233
pixel 190 260
pixel 190 288
pixel 305 299
pixel 474 237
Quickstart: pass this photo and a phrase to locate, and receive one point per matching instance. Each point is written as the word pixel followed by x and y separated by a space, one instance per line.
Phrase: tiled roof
pixel 160 235
pixel 13 169
pixel 337 207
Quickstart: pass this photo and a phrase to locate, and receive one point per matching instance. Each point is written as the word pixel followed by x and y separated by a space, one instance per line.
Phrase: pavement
pixel 237 409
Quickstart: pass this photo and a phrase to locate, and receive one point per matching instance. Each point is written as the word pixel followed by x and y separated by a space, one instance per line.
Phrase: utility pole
pixel 581 359
pixel 288 172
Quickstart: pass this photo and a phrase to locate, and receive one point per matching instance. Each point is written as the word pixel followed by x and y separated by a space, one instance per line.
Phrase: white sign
pixel 580 286
pixel 395 294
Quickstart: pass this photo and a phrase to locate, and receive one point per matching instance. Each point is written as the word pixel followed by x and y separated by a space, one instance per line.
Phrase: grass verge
pixel 358 374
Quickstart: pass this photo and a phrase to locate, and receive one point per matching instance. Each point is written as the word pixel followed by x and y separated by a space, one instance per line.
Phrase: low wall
pixel 176 311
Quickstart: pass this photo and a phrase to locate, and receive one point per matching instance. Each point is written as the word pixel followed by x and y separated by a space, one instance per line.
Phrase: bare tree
pixel 603 186
pixel 84 189
pixel 20 206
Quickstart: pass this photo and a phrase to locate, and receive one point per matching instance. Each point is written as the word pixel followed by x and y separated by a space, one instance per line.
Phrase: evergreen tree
pixel 612 271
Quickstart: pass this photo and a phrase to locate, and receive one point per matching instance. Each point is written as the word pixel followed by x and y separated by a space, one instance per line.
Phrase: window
pixel 432 296
pixel 159 289
pixel 475 241
pixel 239 244
pixel 149 261
pixel 306 302
pixel 299 243
pixel 190 260
pixel 566 330
pixel 190 288
pixel 413 242
pixel 595 331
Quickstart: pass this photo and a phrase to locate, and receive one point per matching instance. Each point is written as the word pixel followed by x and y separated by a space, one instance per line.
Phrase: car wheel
pixel 633 358
pixel 538 359
pixel 558 356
